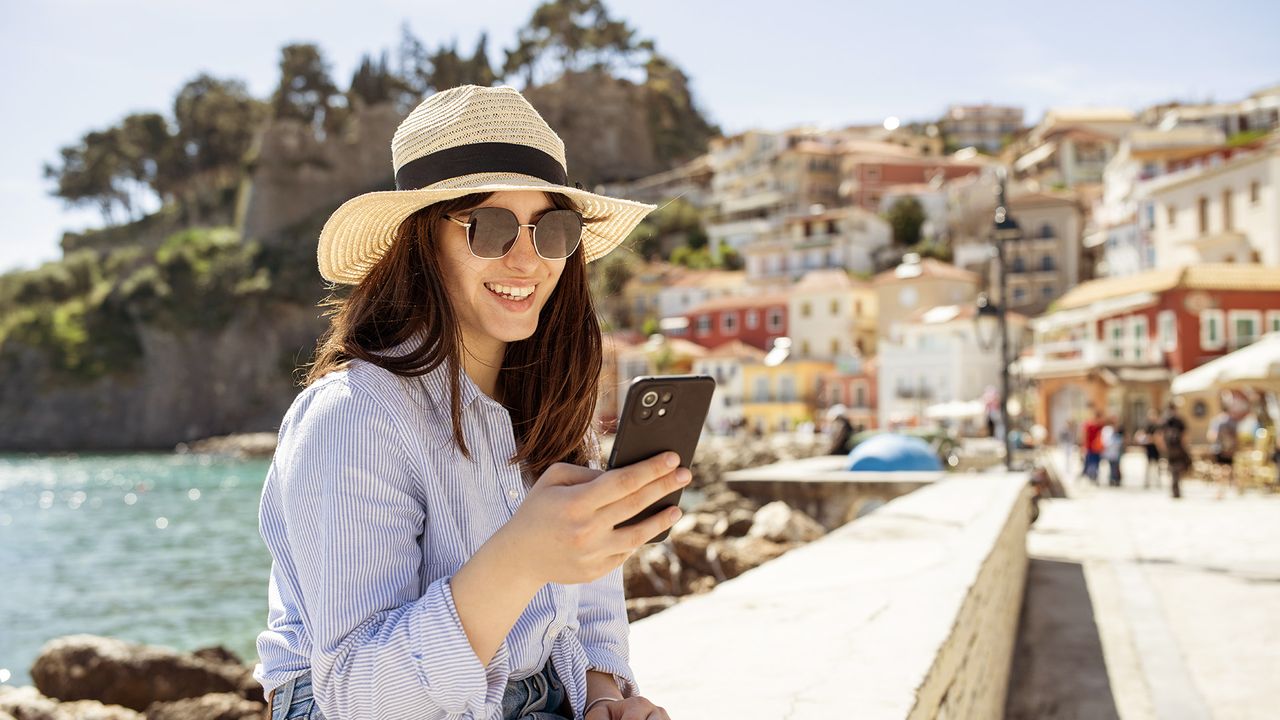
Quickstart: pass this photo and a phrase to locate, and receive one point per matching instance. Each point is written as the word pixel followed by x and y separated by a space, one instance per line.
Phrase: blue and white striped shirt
pixel 368 510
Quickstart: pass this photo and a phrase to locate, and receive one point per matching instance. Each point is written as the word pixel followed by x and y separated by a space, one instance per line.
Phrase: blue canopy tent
pixel 891 452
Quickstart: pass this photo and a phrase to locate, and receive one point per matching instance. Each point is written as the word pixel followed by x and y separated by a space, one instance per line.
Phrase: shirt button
pixel 513 494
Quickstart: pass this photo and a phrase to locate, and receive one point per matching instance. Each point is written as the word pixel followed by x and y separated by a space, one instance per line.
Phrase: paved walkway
pixel 1184 604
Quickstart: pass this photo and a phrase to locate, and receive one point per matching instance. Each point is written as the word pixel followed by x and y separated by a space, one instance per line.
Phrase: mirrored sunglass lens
pixel 558 233
pixel 493 230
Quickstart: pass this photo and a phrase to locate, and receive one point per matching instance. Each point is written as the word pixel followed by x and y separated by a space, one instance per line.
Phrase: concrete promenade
pixel 1140 606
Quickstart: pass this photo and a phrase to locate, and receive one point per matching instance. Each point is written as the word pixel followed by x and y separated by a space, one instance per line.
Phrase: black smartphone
pixel 661 413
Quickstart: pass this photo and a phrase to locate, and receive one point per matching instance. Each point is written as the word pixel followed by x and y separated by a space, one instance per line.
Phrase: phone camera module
pixel 666 397
pixel 649 399
pixel 645 413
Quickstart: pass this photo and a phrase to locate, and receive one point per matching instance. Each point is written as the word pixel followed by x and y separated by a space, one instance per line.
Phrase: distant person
pixel 1173 446
pixel 1146 437
pixel 839 431
pixel 1113 450
pixel 444 541
pixel 1223 437
pixel 1091 444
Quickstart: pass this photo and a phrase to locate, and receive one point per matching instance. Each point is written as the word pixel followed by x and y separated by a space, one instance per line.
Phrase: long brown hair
pixel 548 381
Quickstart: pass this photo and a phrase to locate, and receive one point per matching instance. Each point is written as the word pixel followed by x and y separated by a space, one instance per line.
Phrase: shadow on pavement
pixel 1058 667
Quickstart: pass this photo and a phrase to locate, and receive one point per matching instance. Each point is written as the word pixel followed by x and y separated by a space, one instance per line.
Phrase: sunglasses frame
pixel 533 232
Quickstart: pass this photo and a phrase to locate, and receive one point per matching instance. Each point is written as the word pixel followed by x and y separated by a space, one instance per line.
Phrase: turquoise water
pixel 154 548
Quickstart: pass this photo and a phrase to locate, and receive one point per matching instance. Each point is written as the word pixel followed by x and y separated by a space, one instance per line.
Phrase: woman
pixel 443 541
pixel 1173 446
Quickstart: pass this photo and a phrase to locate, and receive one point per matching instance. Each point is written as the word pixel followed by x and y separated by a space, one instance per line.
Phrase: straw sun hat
pixel 465 140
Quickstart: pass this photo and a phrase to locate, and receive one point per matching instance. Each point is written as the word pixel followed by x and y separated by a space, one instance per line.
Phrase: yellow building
pixel 780 397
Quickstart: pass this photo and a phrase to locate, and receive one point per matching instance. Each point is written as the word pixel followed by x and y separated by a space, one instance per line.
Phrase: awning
pixel 955 410
pixel 1256 365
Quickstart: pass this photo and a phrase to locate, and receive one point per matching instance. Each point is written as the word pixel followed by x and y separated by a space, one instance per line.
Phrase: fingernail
pixel 683 476
pixel 672 459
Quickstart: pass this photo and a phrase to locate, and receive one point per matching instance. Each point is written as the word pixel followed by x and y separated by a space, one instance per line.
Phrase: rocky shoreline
pixel 87 677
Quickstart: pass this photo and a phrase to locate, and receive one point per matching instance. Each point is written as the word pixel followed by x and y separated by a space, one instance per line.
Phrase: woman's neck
pixel 482 362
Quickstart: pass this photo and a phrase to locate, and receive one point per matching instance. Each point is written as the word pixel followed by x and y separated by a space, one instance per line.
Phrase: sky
pixel 71 66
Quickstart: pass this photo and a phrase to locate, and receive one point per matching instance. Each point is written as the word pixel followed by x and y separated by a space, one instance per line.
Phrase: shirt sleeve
pixel 603 629
pixel 354 514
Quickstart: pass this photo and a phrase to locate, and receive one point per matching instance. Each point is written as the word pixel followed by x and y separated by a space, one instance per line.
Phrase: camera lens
pixel 645 413
pixel 649 399
pixel 666 397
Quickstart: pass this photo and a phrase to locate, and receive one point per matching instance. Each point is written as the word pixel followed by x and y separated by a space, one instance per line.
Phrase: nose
pixel 523 255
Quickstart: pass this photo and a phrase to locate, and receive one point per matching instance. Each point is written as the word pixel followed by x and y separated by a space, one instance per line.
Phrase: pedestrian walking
pixel 1091 444
pixel 1113 450
pixel 1146 437
pixel 1172 431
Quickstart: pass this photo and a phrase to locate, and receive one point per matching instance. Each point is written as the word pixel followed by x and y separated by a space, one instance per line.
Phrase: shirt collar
pixel 436 382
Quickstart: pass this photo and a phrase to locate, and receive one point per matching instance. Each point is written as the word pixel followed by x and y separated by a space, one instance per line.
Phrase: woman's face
pixel 488 318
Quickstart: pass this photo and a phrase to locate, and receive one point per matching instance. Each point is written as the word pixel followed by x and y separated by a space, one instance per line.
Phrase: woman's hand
pixel 566 523
pixel 633 708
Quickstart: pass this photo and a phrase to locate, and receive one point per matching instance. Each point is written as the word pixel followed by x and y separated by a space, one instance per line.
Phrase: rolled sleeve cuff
pixel 607 662
pixel 447 666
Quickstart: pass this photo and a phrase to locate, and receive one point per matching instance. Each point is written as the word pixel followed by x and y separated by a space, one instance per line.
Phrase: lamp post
pixel 1004 229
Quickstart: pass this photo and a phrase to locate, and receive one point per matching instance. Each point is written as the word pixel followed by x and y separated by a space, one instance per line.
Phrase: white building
pixel 831 317
pixel 696 287
pixel 846 238
pixel 938 360
pixel 1228 211
pixel 724 363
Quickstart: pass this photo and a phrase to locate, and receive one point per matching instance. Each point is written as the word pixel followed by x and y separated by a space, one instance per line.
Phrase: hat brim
pixel 359 232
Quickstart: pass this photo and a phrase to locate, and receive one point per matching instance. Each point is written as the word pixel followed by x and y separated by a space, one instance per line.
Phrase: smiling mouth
pixel 507 292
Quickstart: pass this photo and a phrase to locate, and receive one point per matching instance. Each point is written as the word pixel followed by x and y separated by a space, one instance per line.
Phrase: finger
pixel 633 536
pixel 621 482
pixel 633 504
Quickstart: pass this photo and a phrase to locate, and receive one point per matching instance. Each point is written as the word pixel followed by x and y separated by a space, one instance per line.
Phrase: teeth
pixel 511 291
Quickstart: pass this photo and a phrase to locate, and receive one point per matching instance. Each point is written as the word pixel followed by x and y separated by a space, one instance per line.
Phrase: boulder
pixel 736 523
pixel 115 672
pixel 651 571
pixel 27 703
pixel 639 608
pixel 215 706
pixel 780 522
pixel 738 555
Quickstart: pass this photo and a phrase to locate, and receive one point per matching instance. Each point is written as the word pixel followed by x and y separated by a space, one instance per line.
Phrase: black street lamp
pixel 1004 229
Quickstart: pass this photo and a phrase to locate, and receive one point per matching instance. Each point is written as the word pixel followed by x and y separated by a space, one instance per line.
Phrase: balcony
pixel 1071 356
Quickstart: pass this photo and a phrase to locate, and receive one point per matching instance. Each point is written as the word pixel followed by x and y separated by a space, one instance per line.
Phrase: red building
pixel 1116 343
pixel 853 385
pixel 867 174
pixel 755 320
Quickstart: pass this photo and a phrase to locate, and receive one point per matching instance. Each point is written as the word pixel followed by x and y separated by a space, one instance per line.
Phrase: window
pixel 1226 209
pixel 804 348
pixel 1211 335
pixel 805 309
pixel 1254 192
pixel 762 389
pixel 704 325
pixel 753 319
pixel 1167 330
pixel 1273 321
pixel 1139 332
pixel 774 320
pixel 1046 230
pixel 787 388
pixel 835 307
pixel 1018 264
pixel 1244 326
pixel 831 227
pixel 1173 215
pixel 835 347
pixel 872 173
pixel 1113 330
pixel 1046 263
pixel 860 397
pixel 1046 292
pixel 1204 214
pixel 729 323
pixel 1019 295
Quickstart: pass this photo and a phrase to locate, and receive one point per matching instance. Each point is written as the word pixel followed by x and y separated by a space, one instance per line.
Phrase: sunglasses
pixel 493 231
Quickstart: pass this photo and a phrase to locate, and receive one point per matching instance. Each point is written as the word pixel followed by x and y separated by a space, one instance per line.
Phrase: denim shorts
pixel 293 700
pixel 538 697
